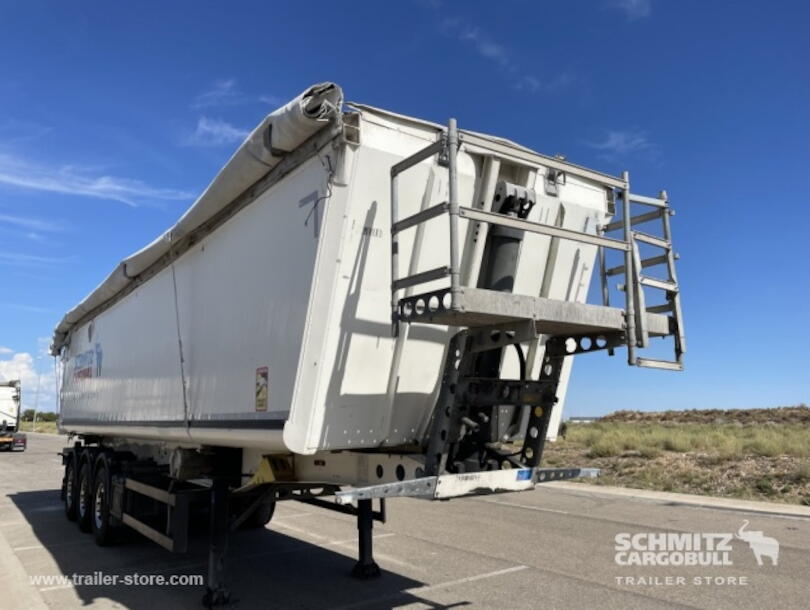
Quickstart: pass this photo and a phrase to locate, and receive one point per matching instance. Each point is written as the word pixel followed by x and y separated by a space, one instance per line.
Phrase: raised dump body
pixel 364 299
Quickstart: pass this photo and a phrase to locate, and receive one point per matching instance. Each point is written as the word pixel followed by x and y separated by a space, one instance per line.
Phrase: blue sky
pixel 114 116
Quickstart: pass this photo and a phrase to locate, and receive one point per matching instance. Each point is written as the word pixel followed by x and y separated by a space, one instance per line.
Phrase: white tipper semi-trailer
pixel 361 305
pixel 10 404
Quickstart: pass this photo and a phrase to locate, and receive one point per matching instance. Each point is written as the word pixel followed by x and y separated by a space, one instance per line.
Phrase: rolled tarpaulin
pixel 282 131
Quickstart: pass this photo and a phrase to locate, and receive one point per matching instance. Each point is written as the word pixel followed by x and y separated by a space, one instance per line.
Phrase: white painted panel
pixel 243 297
pixel 243 293
pixel 124 366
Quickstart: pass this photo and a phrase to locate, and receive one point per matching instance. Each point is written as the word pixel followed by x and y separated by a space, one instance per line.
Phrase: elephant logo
pixel 760 544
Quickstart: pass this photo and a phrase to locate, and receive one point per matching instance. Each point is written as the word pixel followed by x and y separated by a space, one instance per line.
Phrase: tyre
pixel 103 530
pixel 71 489
pixel 84 508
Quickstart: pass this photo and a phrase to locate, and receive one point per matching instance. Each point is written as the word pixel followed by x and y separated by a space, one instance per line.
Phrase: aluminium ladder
pixel 461 429
pixel 661 211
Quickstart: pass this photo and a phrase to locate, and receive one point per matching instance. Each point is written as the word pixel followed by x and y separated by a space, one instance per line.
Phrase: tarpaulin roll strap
pixel 280 132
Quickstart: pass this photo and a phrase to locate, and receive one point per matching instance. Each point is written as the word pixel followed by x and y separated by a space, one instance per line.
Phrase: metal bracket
pixel 481 392
pixel 443 158
pixel 582 344
pixel 553 179
pixel 611 201
pixel 483 339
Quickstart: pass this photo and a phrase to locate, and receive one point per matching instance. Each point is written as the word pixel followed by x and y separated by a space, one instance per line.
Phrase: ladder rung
pixel 647 262
pixel 659 364
pixel 660 203
pixel 634 220
pixel 651 239
pixel 503 220
pixel 421 278
pixel 665 308
pixel 419 217
pixel 417 157
pixel 656 283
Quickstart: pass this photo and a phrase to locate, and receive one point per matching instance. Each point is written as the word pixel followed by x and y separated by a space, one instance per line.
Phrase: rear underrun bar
pixel 446 486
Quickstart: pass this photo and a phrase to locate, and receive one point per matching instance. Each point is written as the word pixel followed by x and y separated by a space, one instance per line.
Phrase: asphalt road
pixel 549 548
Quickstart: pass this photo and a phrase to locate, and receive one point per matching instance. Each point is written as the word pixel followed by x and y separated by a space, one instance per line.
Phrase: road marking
pixel 294 515
pixel 173 568
pixel 460 581
pixel 354 540
pixel 52 546
pixel 528 507
pixel 299 530
pixel 323 540
pixel 441 585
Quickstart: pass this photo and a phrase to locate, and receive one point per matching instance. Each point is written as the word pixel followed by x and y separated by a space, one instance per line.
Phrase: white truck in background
pixel 10 413
pixel 361 305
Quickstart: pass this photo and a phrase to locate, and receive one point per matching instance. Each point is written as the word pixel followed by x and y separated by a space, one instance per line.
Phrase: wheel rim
pixel 71 480
pixel 98 511
pixel 83 497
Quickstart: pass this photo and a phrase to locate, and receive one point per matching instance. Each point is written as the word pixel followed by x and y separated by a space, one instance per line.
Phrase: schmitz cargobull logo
pixel 691 548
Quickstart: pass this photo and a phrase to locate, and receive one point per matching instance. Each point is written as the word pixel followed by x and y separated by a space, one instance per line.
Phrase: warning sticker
pixel 262 388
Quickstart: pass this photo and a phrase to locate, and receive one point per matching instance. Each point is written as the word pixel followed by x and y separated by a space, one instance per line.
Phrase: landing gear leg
pixel 216 594
pixel 365 567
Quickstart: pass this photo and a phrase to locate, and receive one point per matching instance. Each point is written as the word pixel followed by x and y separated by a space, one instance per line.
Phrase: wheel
pixel 102 494
pixel 70 489
pixel 259 517
pixel 84 508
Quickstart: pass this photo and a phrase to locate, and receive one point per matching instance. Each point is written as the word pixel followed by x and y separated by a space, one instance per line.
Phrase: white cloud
pixel 30 223
pixel 222 93
pixel 72 180
pixel 6 350
pixel 535 85
pixel 34 374
pixel 623 142
pixel 633 9
pixel 28 308
pixel 214 132
pixel 44 346
pixel 28 260
pixel 271 100
pixel 226 92
pixel 486 47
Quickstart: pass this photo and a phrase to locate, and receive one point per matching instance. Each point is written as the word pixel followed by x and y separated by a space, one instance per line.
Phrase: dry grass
pixel 726 442
pixel 48 427
pixel 758 459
